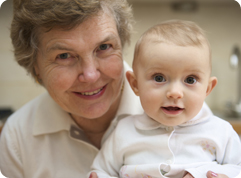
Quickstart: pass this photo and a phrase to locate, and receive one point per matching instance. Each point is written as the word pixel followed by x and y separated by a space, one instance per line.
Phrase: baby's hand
pixel 211 174
pixel 93 175
pixel 188 175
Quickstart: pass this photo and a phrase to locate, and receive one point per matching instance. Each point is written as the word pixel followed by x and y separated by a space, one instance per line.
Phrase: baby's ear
pixel 132 81
pixel 211 84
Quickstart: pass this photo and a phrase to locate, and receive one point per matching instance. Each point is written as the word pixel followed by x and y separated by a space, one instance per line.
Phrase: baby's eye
pixel 190 80
pixel 104 46
pixel 64 56
pixel 159 78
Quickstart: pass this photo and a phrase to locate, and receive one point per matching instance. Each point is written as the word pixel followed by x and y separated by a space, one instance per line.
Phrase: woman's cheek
pixel 113 68
pixel 60 80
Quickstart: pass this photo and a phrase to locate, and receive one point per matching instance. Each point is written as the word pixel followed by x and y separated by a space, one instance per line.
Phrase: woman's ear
pixel 211 84
pixel 37 74
pixel 36 69
pixel 132 81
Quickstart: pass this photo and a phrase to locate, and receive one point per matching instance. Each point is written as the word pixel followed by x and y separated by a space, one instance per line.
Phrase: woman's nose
pixel 175 91
pixel 89 71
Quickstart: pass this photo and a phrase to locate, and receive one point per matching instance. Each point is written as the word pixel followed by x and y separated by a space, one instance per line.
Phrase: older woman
pixel 74 50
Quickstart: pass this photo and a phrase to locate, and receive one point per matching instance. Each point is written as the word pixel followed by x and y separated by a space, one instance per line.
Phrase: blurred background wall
pixel 16 87
pixel 221 19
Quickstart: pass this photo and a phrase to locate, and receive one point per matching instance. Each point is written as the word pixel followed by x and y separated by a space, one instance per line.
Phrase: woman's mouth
pixel 91 93
pixel 95 94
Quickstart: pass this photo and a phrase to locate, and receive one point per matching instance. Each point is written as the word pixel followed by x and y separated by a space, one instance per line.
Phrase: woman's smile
pixel 94 94
pixel 90 93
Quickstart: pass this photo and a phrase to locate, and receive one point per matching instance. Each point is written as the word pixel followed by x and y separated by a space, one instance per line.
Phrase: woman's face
pixel 82 68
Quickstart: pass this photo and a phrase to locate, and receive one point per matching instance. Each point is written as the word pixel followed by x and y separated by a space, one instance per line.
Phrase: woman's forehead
pixel 98 28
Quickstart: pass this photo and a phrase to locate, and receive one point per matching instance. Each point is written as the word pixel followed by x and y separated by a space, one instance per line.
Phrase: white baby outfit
pixel 143 148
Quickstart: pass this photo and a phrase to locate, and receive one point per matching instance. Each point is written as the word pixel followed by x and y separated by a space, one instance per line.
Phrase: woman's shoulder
pixel 24 115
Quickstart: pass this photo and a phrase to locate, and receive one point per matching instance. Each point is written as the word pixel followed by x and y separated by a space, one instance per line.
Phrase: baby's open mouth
pixel 170 108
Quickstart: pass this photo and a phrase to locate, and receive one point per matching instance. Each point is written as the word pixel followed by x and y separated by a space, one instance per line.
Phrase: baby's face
pixel 172 81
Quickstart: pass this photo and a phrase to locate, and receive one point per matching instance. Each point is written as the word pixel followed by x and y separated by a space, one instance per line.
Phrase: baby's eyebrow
pixel 155 68
pixel 197 71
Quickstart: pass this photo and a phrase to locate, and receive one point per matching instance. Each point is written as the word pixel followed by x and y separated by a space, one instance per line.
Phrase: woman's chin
pixel 93 112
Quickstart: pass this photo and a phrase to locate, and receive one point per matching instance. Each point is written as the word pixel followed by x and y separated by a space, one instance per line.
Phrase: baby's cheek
pixel 195 105
pixel 147 102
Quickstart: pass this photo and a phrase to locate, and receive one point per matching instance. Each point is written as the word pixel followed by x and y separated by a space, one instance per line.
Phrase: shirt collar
pixel 49 116
pixel 144 122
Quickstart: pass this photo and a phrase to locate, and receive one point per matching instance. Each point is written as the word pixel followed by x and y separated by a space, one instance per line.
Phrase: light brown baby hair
pixel 177 32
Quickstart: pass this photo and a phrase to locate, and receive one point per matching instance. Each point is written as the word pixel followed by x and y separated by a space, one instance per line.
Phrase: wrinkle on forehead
pixel 97 29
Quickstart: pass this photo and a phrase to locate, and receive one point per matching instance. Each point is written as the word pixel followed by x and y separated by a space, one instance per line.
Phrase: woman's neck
pixel 95 128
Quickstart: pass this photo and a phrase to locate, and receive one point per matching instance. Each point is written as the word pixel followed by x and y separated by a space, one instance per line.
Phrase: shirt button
pixel 76 133
pixel 169 161
pixel 169 129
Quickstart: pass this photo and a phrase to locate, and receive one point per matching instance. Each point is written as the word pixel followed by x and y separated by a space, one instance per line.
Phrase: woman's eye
pixel 64 55
pixel 104 46
pixel 159 78
pixel 190 80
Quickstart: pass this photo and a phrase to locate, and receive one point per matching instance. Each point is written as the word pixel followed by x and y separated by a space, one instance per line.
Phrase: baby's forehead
pixel 175 40
pixel 152 44
pixel 163 51
pixel 156 44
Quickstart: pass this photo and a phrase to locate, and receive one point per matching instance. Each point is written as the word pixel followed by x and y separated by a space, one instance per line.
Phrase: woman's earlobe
pixel 132 81
pixel 36 70
pixel 37 75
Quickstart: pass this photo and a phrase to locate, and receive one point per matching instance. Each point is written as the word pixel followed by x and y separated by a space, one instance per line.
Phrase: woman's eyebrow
pixel 58 46
pixel 109 38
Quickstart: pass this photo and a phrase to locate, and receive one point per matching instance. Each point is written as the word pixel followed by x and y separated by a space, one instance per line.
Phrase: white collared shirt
pixel 141 147
pixel 40 140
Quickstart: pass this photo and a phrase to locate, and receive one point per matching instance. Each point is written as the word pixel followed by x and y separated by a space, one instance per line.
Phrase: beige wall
pixel 16 87
pixel 220 20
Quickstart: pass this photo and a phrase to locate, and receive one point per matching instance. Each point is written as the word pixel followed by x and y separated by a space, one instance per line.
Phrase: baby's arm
pixel 108 161
pixel 228 170
pixel 209 174
pixel 228 160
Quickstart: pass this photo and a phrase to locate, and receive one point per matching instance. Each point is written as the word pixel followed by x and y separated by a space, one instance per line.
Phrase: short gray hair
pixel 32 15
